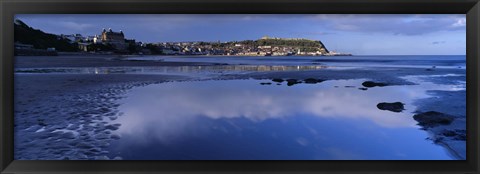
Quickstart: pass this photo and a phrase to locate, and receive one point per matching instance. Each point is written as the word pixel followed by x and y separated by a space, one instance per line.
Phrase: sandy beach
pixel 69 115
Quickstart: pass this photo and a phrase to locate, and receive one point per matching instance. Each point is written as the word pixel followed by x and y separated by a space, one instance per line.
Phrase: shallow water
pixel 241 119
pixel 418 61
pixel 189 70
pixel 242 64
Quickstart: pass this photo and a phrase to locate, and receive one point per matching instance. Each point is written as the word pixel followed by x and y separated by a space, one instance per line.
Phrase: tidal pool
pixel 243 120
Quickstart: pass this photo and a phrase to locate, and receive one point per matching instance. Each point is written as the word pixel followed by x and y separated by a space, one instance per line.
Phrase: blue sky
pixel 369 34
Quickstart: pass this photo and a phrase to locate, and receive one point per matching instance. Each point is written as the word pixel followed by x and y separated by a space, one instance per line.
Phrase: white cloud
pixel 460 23
pixel 75 26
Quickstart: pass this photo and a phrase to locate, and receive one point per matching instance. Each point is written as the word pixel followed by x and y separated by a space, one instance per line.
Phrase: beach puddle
pixel 242 119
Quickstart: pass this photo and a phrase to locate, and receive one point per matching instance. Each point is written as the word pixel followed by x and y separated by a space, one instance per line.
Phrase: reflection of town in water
pixel 172 69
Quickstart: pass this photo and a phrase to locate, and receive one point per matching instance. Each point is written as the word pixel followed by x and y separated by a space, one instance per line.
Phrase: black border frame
pixel 8 8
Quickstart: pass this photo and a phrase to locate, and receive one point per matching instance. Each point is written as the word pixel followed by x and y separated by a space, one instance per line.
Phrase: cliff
pixel 303 44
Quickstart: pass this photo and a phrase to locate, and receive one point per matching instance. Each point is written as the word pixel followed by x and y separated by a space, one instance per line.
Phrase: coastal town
pixel 114 42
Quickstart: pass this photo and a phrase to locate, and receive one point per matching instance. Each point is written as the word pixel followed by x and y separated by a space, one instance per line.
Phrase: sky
pixel 359 34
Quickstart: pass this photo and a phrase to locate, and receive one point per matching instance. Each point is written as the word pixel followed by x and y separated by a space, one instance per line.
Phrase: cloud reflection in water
pixel 169 109
pixel 241 119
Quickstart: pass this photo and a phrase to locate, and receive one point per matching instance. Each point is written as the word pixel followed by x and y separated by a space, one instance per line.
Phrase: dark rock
pixel 349 86
pixel 370 84
pixel 265 83
pixel 312 81
pixel 364 89
pixel 278 80
pixel 291 82
pixel 394 107
pixel 433 119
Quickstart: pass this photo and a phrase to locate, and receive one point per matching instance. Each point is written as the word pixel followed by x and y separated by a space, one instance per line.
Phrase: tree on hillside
pixel 39 39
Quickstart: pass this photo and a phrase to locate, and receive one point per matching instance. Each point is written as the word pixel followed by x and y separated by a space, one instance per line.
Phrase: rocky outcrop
pixel 370 84
pixel 312 81
pixel 433 119
pixel 291 82
pixel 394 107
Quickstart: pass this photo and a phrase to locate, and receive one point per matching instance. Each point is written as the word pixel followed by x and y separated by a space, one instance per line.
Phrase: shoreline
pixel 451 136
pixel 180 55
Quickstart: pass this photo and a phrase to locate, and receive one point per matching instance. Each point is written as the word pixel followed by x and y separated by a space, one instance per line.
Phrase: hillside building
pixel 116 39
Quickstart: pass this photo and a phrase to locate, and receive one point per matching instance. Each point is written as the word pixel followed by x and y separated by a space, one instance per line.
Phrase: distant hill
pixel 39 39
pixel 305 44
pixel 302 44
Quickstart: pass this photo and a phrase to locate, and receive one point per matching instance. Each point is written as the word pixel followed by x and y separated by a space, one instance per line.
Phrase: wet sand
pixel 67 116
pixel 90 61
